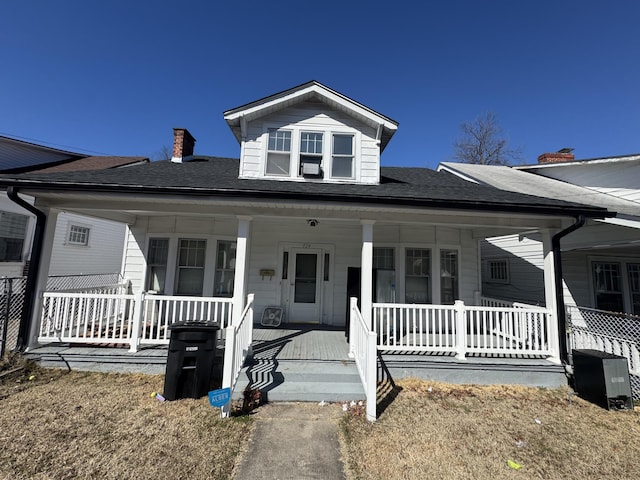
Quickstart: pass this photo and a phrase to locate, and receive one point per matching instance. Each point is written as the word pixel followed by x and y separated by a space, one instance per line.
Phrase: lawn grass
pixel 63 425
pixel 443 431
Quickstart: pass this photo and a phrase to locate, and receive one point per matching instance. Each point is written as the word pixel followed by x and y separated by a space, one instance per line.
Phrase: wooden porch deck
pixel 311 362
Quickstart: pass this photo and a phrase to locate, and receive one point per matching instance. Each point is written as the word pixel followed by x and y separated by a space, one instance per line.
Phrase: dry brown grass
pixel 436 430
pixel 61 425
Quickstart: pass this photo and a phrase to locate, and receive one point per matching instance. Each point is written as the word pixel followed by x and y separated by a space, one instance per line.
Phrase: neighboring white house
pixel 304 220
pixel 83 245
pixel 601 260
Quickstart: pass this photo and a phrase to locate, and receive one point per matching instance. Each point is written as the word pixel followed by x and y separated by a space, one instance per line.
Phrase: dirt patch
pixel 64 425
pixel 437 430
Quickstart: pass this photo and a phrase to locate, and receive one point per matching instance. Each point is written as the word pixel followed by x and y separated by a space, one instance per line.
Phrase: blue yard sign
pixel 219 398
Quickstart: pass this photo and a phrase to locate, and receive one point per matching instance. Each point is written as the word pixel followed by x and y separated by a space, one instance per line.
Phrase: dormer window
pixel 310 153
pixel 342 156
pixel 279 152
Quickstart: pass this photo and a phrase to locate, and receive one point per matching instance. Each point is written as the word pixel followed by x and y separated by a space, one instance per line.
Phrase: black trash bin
pixel 191 359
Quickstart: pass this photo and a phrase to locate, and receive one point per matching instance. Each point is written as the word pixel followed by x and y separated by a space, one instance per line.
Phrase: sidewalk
pixel 294 441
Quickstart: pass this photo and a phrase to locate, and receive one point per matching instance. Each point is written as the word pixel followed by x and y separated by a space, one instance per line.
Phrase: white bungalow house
pixel 304 220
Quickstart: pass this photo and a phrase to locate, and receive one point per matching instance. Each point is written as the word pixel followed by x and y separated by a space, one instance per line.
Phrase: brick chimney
pixel 562 155
pixel 183 143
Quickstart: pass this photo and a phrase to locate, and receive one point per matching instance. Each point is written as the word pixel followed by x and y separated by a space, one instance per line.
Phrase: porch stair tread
pixel 302 380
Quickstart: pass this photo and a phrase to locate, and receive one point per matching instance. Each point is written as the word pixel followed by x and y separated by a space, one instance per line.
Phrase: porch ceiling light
pixel 312 222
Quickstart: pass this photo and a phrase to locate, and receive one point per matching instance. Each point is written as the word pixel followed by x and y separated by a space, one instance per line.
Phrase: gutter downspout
pixel 34 267
pixel 557 261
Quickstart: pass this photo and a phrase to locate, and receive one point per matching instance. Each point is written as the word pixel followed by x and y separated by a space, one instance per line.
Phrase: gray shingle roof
pixel 215 176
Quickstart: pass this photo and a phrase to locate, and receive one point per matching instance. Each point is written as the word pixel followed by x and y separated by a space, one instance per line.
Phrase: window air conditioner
pixel 310 168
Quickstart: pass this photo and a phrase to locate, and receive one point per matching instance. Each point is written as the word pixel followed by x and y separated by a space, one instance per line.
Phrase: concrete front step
pixel 301 380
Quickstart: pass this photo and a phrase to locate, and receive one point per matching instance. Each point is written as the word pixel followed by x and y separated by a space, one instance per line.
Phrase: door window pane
pixel 305 282
pixel 384 279
pixel 607 284
pixel 418 275
pixel 190 269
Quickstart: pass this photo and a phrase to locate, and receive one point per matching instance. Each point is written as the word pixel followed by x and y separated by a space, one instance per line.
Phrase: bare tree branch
pixel 482 141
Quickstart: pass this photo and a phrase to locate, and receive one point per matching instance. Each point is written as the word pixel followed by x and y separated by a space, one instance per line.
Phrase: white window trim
pixel 172 260
pixel 70 225
pixel 327 149
pixel 352 157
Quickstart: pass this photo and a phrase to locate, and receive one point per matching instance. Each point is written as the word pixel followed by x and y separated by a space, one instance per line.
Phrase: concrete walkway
pixel 294 441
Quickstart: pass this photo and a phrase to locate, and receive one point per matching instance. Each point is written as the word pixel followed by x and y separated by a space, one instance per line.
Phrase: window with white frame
pixel 633 271
pixel 78 235
pixel 190 266
pixel 225 269
pixel 384 280
pixel 157 256
pixel 417 284
pixel 497 270
pixel 13 228
pixel 448 276
pixel 342 156
pixel 607 285
pixel 278 152
pixel 310 153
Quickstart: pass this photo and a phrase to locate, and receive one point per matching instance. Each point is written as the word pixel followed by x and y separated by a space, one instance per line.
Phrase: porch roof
pixel 217 177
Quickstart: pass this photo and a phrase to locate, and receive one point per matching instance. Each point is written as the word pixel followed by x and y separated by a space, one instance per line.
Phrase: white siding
pixel 526 269
pixel 312 117
pixel 103 254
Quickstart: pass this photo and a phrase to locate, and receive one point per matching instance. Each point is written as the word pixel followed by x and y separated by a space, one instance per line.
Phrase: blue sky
pixel 115 77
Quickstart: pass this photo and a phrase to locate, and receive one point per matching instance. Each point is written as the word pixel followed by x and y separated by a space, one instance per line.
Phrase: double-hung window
pixel 225 269
pixel 342 156
pixel 448 276
pixel 310 153
pixel 607 283
pixel 417 275
pixel 157 264
pixel 279 152
pixel 13 227
pixel 190 268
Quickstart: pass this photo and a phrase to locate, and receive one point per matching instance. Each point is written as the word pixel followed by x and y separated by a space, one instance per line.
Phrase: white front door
pixel 305 286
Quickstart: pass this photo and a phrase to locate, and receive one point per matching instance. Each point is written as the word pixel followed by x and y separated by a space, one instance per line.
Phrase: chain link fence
pixel 11 305
pixel 616 333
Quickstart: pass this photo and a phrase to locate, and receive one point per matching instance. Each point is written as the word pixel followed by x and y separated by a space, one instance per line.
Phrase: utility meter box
pixel 602 378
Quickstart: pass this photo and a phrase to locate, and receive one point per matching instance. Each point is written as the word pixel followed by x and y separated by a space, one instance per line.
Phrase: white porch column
pixel 550 295
pixel 242 264
pixel 43 273
pixel 366 276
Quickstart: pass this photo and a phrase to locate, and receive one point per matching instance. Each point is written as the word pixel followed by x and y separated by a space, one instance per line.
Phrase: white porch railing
pixel 86 318
pixel 462 329
pixel 98 318
pixel 237 346
pixel 362 347
pixel 160 311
